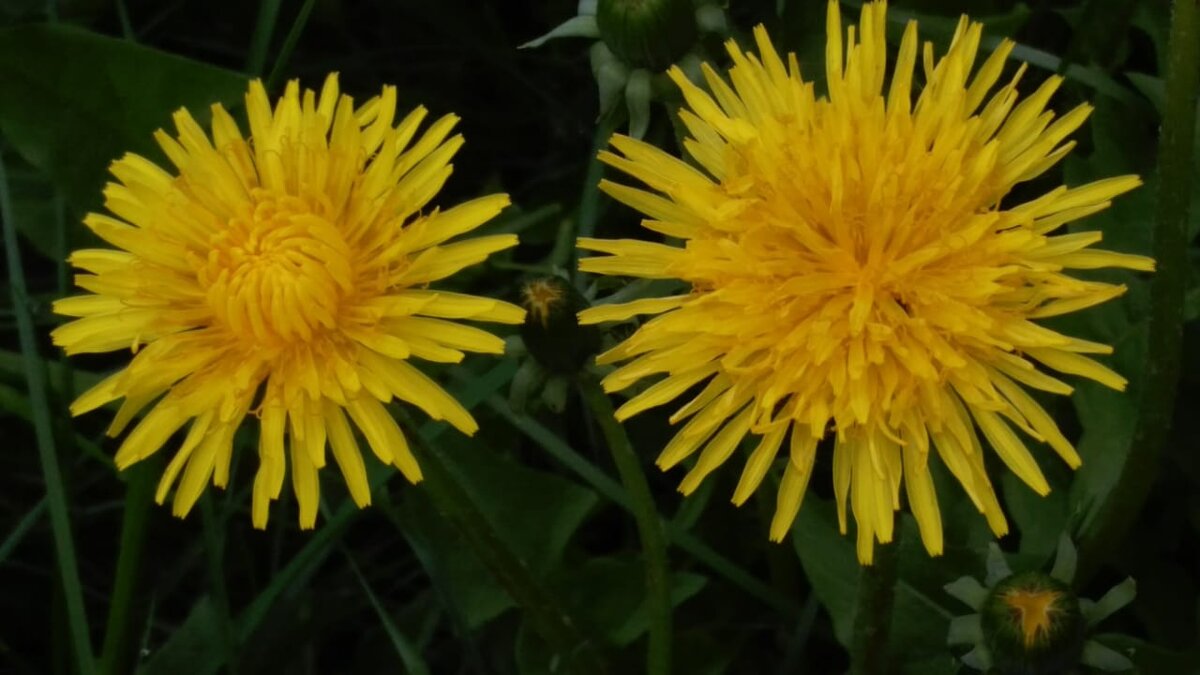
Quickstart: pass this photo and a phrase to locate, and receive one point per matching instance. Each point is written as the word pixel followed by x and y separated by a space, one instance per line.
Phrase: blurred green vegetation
pixel 398 587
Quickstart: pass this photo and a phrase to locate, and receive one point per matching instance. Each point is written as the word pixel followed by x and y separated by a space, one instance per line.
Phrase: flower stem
pixel 873 613
pixel 610 489
pixel 214 549
pixel 116 656
pixel 650 528
pixel 550 620
pixel 56 496
pixel 1157 401
pixel 590 202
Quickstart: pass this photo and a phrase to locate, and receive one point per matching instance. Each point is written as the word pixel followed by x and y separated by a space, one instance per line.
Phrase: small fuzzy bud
pixel 551 331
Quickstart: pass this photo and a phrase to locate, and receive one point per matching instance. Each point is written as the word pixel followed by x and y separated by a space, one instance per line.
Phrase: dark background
pixel 394 586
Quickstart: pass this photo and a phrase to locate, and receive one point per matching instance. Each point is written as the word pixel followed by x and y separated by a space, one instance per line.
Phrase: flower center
pixel 540 297
pixel 276 275
pixel 1035 610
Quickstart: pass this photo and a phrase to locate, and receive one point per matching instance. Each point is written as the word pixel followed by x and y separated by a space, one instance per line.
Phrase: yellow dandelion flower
pixel 283 276
pixel 855 273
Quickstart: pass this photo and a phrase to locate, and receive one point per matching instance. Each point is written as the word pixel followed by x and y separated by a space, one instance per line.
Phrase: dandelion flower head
pixel 854 273
pixel 282 275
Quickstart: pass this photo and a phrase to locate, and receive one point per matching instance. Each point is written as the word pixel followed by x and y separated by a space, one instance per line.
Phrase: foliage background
pixel 395 586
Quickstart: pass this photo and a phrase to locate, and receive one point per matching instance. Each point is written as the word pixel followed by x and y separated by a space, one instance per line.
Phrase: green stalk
pixel 289 44
pixel 1157 401
pixel 214 548
pixel 264 28
pixel 127 31
pixel 18 533
pixel 873 611
pixel 116 656
pixel 35 376
pixel 650 530
pixel 548 617
pixel 590 204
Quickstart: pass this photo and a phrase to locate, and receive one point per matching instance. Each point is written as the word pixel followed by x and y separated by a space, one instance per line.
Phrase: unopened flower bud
pixel 1032 625
pixel 649 34
pixel 551 331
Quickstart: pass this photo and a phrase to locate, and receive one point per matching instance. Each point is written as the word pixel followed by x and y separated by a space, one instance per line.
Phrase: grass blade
pixel 289 44
pixel 116 656
pixel 413 662
pixel 472 658
pixel 591 202
pixel 35 376
pixel 264 28
pixel 18 533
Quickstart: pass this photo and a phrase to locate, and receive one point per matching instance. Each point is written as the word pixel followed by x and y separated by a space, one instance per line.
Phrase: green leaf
pixel 936 665
pixel 829 563
pixel 34 211
pixel 196 641
pixel 536 513
pixel 607 594
pixel 1123 143
pixel 74 100
pixel 562 452
pixel 1039 520
pixel 469 589
pixel 1108 418
pixel 923 610
pixel 610 594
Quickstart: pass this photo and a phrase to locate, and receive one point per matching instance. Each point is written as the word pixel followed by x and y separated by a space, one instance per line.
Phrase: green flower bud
pixel 1032 625
pixel 647 33
pixel 551 331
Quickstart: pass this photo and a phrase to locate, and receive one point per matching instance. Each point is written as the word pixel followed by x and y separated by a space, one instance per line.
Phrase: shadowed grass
pixel 404 648
pixel 116 655
pixel 264 29
pixel 35 377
